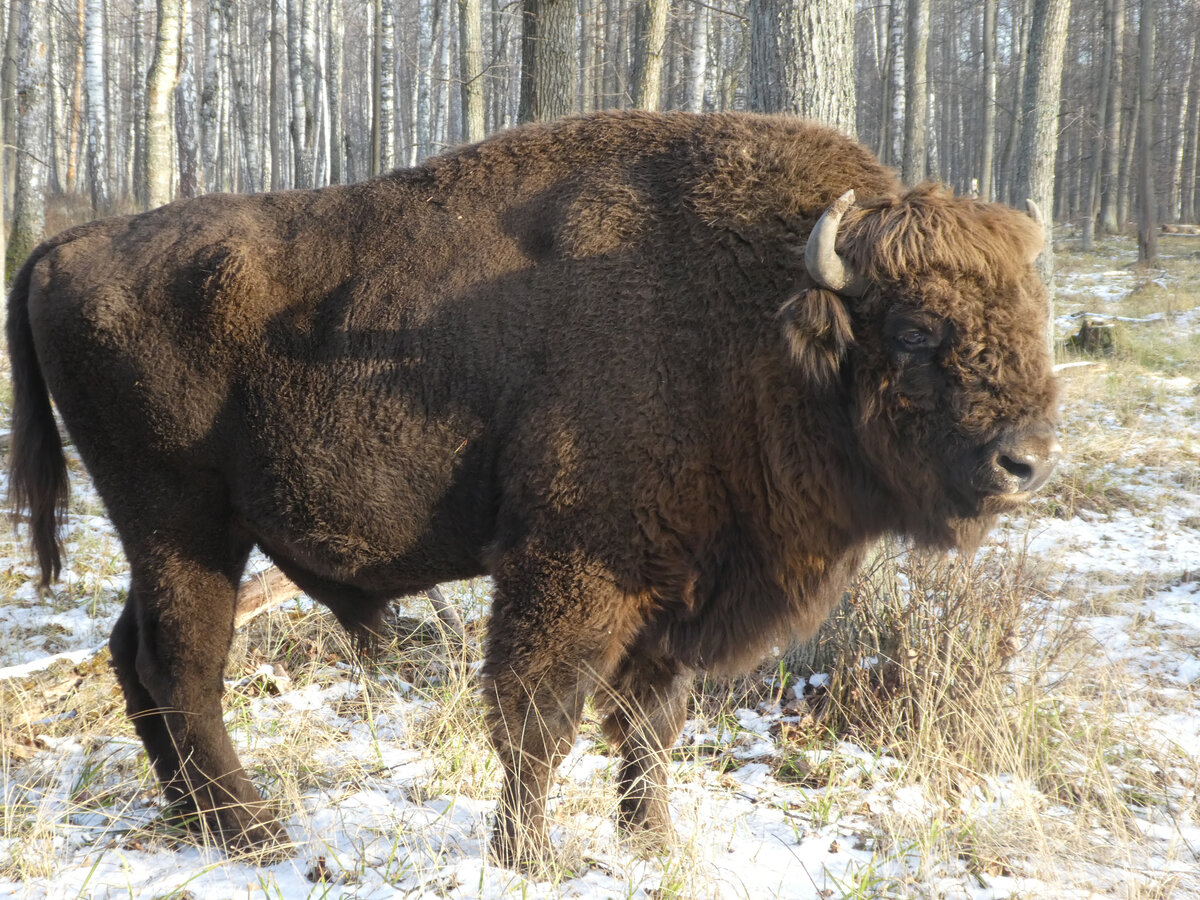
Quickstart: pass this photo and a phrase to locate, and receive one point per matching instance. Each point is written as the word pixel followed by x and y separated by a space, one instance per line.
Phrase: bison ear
pixel 817 329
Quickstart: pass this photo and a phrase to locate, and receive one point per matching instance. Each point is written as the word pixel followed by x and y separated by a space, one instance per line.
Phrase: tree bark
pixel 334 65
pixel 186 124
pixel 1191 156
pixel 301 161
pixel 97 105
pixel 1110 180
pixel 916 46
pixel 8 95
pixel 470 51
pixel 1147 202
pixel 426 14
pixel 1175 184
pixel 160 82
pixel 1039 129
pixel 547 60
pixel 987 159
pixel 33 108
pixel 648 61
pixel 210 94
pixel 247 147
pixel 802 59
pixel 698 58
pixel 275 111
pixel 1091 186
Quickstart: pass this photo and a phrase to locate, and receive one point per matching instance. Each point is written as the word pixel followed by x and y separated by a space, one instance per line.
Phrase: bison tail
pixel 37 475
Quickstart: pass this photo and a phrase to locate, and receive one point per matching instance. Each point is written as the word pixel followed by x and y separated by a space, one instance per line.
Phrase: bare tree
pixel 301 161
pixel 97 105
pixel 1114 51
pixel 916 110
pixel 470 29
pixel 1039 132
pixel 33 130
pixel 186 124
pixel 547 59
pixel 160 82
pixel 334 62
pixel 1147 205
pixel 987 161
pixel 8 94
pixel 698 58
pixel 649 42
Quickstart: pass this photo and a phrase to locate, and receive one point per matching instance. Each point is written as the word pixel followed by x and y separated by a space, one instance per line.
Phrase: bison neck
pixel 792 518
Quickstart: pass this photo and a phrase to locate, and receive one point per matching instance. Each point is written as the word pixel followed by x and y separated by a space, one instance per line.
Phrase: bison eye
pixel 914 339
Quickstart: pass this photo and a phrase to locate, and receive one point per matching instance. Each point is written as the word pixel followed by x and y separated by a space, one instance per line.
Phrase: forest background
pixel 1089 107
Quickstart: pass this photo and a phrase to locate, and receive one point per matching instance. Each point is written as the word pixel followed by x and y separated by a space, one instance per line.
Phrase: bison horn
pixel 1035 213
pixel 820 255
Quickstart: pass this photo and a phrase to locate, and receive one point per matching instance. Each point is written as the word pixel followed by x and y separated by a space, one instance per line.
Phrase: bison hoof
pixel 646 826
pixel 647 841
pixel 262 839
pixel 244 831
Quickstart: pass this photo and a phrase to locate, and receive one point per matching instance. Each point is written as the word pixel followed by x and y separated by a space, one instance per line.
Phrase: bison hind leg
pixel 646 705
pixel 169 649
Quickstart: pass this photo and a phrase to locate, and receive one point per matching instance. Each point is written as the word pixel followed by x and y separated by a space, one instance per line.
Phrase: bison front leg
pixel 648 706
pixel 558 626
pixel 169 649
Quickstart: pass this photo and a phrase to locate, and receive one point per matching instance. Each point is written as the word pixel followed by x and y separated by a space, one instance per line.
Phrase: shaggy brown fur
pixel 585 358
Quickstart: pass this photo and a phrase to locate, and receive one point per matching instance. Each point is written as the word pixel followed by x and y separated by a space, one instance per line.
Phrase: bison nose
pixel 1022 462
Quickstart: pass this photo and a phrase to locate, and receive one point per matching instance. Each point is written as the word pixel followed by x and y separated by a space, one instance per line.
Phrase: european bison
pixel 649 372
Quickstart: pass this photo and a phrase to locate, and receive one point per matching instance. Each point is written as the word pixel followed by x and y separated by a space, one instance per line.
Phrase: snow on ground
pixel 378 833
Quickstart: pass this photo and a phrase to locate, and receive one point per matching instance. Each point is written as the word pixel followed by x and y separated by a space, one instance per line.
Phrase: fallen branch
pixel 263 592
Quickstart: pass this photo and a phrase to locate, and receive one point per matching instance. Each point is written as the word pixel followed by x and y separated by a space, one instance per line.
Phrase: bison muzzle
pixel 660 376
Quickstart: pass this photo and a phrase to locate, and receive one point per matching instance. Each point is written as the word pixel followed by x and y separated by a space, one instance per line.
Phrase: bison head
pixel 944 353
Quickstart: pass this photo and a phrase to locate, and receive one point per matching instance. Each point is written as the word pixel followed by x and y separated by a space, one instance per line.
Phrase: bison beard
pixel 602 361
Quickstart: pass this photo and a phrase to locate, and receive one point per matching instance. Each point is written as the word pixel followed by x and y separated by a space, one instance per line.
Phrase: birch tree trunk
pixel 301 161
pixel 275 106
pixel 160 82
pixel 8 95
pixel 1110 179
pixel 209 93
pixel 802 59
pixel 1147 202
pixel 33 127
pixel 308 81
pixel 137 159
pixel 470 52
pixel 387 86
pixel 1174 188
pixel 987 159
pixel 1191 159
pixel 649 44
pixel 52 152
pixel 97 105
pixel 916 56
pixel 699 58
pixel 186 124
pixel 425 19
pixel 76 125
pixel 246 147
pixel 334 63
